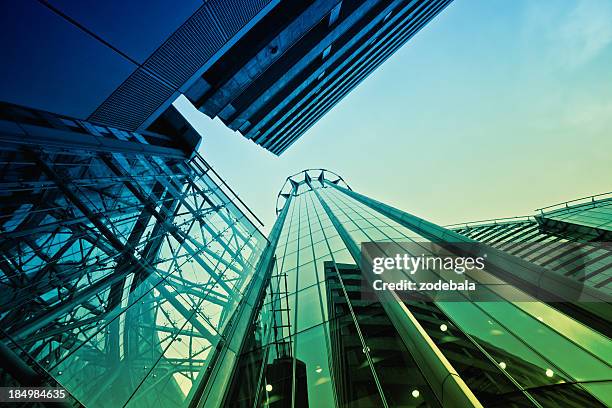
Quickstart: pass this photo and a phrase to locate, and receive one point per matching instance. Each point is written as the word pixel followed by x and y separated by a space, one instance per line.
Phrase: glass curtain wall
pixel 119 271
pixel 347 351
pixel 571 239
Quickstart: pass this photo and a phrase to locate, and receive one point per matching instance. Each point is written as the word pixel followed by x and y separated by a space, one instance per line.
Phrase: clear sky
pixel 494 109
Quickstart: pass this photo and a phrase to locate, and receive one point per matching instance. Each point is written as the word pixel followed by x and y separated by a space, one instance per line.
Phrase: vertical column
pixel 213 387
pixel 593 309
pixel 446 383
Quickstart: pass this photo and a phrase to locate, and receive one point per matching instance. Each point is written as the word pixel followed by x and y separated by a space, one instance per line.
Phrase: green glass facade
pixel 591 217
pixel 344 350
pixel 132 276
pixel 543 239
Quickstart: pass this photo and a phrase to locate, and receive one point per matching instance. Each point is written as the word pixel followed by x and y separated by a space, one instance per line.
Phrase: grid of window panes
pixel 120 272
pixel 594 214
pixel 350 357
pixel 588 263
pixel 350 351
pixel 529 343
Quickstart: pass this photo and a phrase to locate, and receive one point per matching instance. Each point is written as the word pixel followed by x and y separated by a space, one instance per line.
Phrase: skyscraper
pixel 267 68
pixel 125 261
pixel 350 350
pixel 115 63
pixel 129 271
pixel 301 59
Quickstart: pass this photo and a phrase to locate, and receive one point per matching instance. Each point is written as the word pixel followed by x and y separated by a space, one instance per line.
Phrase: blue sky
pixel 494 109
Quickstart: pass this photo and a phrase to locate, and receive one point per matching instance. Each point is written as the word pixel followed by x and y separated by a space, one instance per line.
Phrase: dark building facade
pixel 114 63
pixel 300 60
pixel 267 68
pixel 360 351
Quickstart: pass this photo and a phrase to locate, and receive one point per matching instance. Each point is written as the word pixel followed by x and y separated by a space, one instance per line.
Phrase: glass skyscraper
pixel 130 272
pixel 123 261
pixel 299 60
pixel 318 342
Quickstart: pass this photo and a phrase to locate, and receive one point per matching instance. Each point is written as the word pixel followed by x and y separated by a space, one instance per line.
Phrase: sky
pixel 494 109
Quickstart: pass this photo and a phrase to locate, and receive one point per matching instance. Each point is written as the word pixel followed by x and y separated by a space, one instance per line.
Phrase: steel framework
pixel 119 269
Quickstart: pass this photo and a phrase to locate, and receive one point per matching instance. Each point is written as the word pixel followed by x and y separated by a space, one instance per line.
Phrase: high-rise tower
pixel 268 69
pixel 300 60
pixel 349 350
pixel 126 263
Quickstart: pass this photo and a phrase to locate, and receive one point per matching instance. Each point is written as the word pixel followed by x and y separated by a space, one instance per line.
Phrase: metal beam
pixel 212 388
pixel 267 56
pixel 179 235
pixel 591 306
pixel 445 382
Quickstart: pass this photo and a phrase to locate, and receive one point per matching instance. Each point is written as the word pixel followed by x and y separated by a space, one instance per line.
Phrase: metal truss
pixel 119 271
